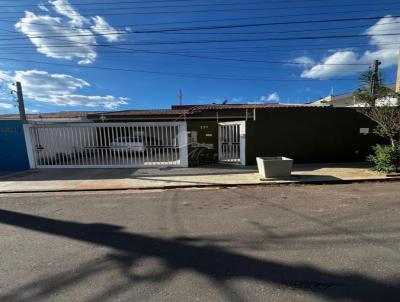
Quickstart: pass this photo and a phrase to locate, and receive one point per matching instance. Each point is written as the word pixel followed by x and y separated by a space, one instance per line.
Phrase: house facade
pixel 193 135
pixel 308 134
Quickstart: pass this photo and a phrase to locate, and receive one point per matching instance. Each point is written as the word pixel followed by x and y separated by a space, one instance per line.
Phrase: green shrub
pixel 386 158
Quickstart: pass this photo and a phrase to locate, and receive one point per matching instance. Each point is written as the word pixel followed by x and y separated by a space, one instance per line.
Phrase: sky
pixel 103 55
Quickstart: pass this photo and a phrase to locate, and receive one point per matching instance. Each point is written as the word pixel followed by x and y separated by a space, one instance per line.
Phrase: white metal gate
pixel 107 145
pixel 232 142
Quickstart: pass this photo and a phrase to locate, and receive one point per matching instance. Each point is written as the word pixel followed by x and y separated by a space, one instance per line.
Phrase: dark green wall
pixel 309 135
pixel 205 150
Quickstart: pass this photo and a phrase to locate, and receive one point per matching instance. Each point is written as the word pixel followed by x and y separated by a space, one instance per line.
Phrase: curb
pixel 219 186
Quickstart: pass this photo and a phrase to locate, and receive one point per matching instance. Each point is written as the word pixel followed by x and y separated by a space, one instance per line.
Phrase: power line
pixel 289 31
pixel 208 10
pixel 234 50
pixel 226 33
pixel 208 20
pixel 264 24
pixel 248 60
pixel 203 76
pixel 248 49
pixel 269 48
pixel 279 47
pixel 232 59
pixel 247 67
pixel 296 22
pixel 223 10
pixel 198 65
pixel 150 1
pixel 209 41
pixel 112 33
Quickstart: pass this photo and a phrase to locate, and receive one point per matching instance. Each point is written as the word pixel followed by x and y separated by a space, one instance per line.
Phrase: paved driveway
pixel 289 243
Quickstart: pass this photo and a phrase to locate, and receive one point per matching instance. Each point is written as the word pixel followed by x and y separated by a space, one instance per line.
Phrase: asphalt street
pixel 275 243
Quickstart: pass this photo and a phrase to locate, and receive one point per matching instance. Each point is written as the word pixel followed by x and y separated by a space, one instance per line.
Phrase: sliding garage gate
pixel 107 145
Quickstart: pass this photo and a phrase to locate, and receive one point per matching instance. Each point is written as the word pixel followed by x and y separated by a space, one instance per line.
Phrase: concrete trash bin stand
pixel 273 167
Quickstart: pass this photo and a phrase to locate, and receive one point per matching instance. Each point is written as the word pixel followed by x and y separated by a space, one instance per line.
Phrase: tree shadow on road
pixel 215 263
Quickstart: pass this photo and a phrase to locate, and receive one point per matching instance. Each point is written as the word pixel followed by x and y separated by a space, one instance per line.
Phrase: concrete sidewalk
pixel 113 179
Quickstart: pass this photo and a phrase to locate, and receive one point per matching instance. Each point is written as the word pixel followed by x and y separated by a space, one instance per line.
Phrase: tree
pixel 382 105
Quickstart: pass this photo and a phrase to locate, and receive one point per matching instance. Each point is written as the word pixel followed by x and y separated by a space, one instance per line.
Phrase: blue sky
pixel 118 55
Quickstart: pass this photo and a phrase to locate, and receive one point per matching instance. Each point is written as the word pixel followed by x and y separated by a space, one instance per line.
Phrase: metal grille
pixel 229 143
pixel 109 145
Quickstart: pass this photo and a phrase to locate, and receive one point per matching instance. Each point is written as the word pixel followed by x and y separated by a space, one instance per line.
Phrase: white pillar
pixel 29 146
pixel 242 133
pixel 183 145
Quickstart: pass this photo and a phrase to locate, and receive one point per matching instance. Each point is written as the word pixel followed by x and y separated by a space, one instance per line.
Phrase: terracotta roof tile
pixel 234 106
pixel 191 109
pixel 176 110
pixel 141 112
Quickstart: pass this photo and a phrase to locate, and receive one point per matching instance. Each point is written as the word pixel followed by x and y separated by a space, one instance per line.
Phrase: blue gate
pixel 13 154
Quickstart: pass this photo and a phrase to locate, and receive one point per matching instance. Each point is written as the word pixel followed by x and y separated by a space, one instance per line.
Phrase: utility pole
pixel 180 97
pixel 398 75
pixel 21 105
pixel 374 76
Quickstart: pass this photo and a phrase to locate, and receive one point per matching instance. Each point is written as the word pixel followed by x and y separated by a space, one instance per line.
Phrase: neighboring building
pixel 63 116
pixel 343 100
pixel 348 100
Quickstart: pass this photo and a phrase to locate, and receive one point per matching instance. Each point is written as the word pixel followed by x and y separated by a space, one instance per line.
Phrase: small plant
pixel 386 158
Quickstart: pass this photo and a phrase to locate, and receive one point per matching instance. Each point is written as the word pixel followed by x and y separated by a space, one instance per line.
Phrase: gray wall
pixel 310 135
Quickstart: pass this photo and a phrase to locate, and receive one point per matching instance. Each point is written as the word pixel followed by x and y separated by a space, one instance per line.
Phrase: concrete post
pixel 398 75
pixel 21 105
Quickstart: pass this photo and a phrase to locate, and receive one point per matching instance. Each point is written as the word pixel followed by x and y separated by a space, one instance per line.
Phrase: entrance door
pixel 232 142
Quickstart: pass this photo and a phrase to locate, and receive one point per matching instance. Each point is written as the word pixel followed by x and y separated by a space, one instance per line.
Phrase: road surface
pixel 283 243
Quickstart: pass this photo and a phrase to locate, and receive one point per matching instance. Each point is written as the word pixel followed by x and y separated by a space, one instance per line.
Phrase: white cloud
pixel 63 7
pixel 108 101
pixel 5 76
pixel 29 110
pixel 38 28
pixel 236 100
pixel 304 60
pixel 37 83
pixel 6 106
pixel 61 90
pixel 43 7
pixel 325 70
pixel 5 91
pixel 102 27
pixel 255 103
pixel 273 97
pixel 69 35
pixel 384 52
